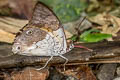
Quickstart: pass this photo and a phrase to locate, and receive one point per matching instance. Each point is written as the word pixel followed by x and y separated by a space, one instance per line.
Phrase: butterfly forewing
pixel 44 17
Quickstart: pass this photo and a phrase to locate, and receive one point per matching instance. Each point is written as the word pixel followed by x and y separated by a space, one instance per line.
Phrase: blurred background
pixel 102 18
pixel 83 20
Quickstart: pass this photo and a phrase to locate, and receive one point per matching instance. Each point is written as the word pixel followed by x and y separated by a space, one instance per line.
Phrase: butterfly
pixel 42 36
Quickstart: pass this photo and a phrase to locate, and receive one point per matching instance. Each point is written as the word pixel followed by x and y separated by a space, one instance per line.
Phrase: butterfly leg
pixel 46 63
pixel 66 60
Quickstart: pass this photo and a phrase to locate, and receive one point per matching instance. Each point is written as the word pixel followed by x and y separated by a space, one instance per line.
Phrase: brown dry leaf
pixel 8 26
pixel 112 26
pixel 98 19
pixel 116 12
pixel 85 73
pixel 6 36
pixel 30 74
pixel 81 73
pixel 11 25
pixel 109 24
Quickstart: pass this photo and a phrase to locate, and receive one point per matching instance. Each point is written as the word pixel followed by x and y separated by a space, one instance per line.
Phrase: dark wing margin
pixel 43 16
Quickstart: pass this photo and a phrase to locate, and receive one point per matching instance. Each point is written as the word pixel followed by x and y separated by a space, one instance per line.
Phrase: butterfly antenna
pixel 78 28
pixel 81 23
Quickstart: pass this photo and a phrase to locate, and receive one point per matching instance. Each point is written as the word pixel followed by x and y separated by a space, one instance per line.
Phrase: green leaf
pixel 84 34
pixel 96 37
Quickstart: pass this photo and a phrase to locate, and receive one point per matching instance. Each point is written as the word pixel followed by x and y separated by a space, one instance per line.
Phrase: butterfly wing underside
pixel 45 19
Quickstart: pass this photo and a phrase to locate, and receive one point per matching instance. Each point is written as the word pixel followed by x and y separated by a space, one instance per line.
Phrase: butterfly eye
pixel 29 32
